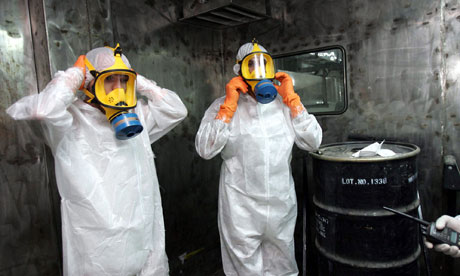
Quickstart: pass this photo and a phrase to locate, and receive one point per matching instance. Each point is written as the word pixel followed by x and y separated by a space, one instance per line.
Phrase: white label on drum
pixel 364 181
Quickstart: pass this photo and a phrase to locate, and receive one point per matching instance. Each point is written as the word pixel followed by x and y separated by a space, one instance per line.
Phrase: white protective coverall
pixel 112 218
pixel 257 200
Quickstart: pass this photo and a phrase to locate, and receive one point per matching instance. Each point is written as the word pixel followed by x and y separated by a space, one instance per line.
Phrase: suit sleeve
pixel 308 132
pixel 50 105
pixel 213 134
pixel 164 109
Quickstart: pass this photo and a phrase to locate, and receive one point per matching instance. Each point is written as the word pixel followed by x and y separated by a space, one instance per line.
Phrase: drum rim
pixel 318 154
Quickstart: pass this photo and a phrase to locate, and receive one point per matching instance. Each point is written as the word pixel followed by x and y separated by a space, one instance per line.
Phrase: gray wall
pixel 403 65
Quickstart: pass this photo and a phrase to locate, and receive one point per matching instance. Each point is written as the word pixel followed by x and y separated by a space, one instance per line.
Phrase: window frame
pixel 321 49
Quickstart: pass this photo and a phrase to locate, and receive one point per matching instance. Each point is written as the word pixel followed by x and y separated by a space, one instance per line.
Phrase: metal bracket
pixel 451 174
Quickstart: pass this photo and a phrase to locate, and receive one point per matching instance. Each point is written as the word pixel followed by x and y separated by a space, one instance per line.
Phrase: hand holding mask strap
pixel 91 93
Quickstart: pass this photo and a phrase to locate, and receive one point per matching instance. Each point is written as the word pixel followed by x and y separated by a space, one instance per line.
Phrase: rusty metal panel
pixel 28 243
pixel 395 72
pixel 40 42
pixel 450 95
pixel 451 55
pixel 68 32
pixel 100 23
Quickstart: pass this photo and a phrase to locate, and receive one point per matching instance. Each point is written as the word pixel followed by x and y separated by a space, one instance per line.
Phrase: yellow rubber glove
pixel 286 90
pixel 80 63
pixel 232 94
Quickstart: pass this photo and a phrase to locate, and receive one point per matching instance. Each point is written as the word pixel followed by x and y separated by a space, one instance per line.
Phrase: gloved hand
pixel 150 89
pixel 286 90
pixel 80 63
pixel 452 223
pixel 232 91
pixel 143 83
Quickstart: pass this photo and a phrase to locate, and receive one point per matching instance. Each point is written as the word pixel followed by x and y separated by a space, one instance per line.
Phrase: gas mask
pixel 258 71
pixel 114 90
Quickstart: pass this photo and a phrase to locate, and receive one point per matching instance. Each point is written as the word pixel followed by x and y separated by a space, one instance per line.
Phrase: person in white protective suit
pixel 112 218
pixel 441 223
pixel 254 130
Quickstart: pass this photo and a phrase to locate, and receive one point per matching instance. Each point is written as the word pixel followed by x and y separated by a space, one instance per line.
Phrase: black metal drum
pixel 354 235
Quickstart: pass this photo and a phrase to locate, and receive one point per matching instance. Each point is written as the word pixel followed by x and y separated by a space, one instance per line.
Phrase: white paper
pixel 373 150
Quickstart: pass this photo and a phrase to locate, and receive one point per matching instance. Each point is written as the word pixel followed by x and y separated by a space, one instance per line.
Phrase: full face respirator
pixel 258 71
pixel 114 90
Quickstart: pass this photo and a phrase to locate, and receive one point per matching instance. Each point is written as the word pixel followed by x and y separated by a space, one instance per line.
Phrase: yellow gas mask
pixel 114 90
pixel 258 71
